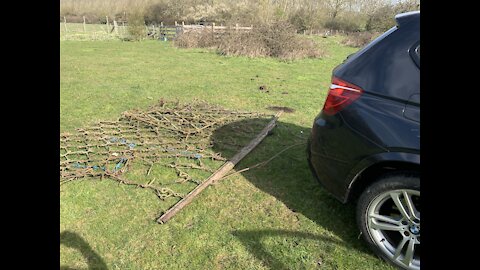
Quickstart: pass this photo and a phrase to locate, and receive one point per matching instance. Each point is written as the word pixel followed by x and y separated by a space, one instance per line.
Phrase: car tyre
pixel 388 216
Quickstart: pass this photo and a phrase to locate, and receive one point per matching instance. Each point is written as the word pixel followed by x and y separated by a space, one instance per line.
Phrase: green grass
pixel 272 217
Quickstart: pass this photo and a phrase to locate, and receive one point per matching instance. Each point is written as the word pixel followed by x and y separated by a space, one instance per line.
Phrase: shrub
pixel 343 25
pixel 273 40
pixel 197 39
pixel 382 20
pixel 136 26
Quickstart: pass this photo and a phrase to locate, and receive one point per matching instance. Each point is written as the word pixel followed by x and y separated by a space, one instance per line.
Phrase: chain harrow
pixel 168 134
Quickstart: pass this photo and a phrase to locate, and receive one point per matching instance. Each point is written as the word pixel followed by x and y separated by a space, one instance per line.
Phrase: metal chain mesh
pixel 176 137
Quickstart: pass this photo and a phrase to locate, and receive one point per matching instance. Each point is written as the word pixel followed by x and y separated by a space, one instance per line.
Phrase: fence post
pixel 107 25
pixel 65 24
pixel 124 30
pixel 176 23
pixel 84 26
pixel 115 25
pixel 236 27
pixel 146 28
pixel 213 30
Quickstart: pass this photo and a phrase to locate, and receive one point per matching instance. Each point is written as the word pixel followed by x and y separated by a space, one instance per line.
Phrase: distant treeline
pixel 346 15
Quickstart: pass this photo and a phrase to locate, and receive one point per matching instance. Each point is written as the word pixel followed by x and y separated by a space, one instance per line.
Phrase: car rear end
pixel 373 99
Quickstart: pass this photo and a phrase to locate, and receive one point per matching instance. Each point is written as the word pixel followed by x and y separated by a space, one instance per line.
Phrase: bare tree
pixel 336 6
pixel 369 8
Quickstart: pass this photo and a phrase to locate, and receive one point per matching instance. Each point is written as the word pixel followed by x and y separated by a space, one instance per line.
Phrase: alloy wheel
pixel 393 222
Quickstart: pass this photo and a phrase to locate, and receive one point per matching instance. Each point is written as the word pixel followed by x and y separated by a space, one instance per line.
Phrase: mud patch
pixel 280 108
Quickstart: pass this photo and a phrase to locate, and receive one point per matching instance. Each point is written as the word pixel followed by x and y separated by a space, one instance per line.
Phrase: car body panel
pixel 409 158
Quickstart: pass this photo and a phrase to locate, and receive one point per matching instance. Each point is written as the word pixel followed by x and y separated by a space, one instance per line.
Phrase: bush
pixel 304 19
pixel 382 20
pixel 247 44
pixel 136 26
pixel 343 25
pixel 273 40
pixel 197 39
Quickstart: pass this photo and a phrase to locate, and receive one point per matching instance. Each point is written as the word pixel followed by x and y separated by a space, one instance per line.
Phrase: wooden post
pixel 108 28
pixel 236 27
pixel 226 167
pixel 183 26
pixel 176 23
pixel 124 30
pixel 213 30
pixel 115 25
pixel 84 26
pixel 162 34
pixel 65 24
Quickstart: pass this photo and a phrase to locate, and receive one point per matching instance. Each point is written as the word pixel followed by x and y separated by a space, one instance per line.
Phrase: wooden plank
pixel 226 167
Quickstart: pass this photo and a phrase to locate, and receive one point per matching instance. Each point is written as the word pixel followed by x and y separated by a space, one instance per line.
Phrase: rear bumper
pixel 326 170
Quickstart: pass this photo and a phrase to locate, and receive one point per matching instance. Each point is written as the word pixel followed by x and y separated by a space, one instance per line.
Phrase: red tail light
pixel 341 94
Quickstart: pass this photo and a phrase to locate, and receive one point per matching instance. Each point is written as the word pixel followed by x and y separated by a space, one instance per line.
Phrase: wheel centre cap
pixel 415 229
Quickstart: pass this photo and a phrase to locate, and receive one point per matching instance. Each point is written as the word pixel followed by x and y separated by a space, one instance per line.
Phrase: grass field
pixel 272 217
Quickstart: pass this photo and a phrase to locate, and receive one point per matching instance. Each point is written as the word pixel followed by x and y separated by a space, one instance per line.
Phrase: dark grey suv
pixel 365 143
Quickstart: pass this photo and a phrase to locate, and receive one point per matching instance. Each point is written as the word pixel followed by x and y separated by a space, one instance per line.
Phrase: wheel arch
pixel 370 169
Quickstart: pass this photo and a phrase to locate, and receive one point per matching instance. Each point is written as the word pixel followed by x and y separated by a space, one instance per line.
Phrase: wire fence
pixel 113 30
pixel 119 30
pixel 79 31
